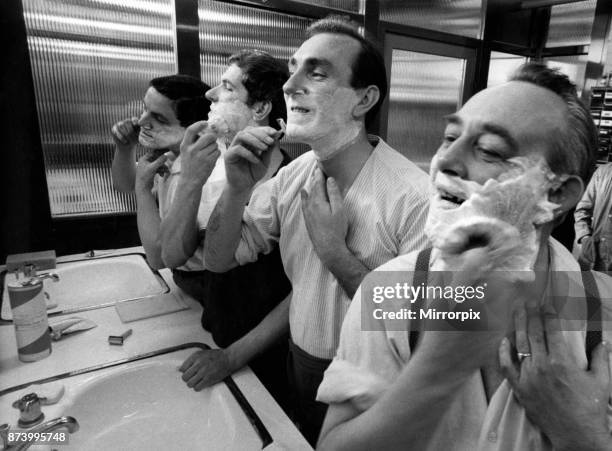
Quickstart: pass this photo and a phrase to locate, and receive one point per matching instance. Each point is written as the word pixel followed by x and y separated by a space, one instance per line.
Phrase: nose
pixel 294 84
pixel 451 159
pixel 211 94
pixel 145 120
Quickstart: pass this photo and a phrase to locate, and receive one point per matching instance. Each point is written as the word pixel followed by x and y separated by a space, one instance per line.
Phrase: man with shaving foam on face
pixel 336 212
pixel 249 93
pixel 511 165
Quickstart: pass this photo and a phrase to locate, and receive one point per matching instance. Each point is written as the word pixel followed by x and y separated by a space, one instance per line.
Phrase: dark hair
pixel 369 65
pixel 574 150
pixel 187 95
pixel 263 76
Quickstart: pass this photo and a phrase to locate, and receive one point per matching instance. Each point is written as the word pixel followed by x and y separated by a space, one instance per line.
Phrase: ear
pixel 568 194
pixel 368 98
pixel 261 110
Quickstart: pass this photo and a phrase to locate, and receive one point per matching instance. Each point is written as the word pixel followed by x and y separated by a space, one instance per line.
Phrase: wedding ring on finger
pixel 523 355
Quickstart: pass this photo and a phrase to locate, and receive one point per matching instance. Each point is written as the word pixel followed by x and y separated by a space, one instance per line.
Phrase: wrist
pixel 142 188
pixel 235 356
pixel 240 194
pixel 190 182
pixel 335 255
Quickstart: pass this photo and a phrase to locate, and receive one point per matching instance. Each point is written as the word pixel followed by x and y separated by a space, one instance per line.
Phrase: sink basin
pixel 144 405
pixel 94 283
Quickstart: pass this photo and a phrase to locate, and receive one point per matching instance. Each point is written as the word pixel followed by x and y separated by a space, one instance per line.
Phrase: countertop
pixel 91 348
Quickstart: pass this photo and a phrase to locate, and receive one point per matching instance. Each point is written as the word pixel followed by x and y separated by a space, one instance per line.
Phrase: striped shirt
pixel 386 208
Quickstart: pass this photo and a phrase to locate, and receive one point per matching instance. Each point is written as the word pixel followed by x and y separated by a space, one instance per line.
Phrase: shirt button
pixel 493 436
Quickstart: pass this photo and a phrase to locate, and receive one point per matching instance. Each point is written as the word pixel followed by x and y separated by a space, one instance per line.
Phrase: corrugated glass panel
pixel 355 6
pixel 574 66
pixel 501 66
pixel 91 63
pixel 226 29
pixel 571 24
pixel 460 17
pixel 424 89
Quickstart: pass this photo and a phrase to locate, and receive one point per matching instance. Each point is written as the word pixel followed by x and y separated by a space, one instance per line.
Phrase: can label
pixel 29 310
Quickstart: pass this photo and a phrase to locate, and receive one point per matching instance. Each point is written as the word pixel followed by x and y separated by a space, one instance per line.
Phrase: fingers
pixel 535 332
pixel 246 154
pixel 334 195
pixel 508 368
pixel 555 340
pixel 318 186
pixel 193 131
pixel 124 131
pixel 187 363
pixel 520 324
pixel 600 363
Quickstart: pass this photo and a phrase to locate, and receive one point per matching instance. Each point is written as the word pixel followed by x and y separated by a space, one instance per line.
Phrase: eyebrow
pixel 487 127
pixel 312 62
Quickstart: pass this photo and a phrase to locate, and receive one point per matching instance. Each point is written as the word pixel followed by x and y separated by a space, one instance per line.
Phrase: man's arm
pixel 243 169
pixel 583 215
pixel 123 168
pixel 327 227
pixel 407 413
pixel 180 235
pixel 205 368
pixel 147 212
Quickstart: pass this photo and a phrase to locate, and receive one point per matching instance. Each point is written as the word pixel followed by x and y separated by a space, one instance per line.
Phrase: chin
pixel 296 133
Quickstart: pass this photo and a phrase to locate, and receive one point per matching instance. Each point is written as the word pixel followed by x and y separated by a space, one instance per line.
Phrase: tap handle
pixel 29 270
pixel 29 409
pixel 34 280
pixel 4 430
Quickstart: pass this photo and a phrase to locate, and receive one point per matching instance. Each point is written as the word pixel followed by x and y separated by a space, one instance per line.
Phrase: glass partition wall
pixel 91 63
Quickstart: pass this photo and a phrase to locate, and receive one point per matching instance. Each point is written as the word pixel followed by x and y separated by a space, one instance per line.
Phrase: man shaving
pixel 170 105
pixel 249 93
pixel 510 167
pixel 339 210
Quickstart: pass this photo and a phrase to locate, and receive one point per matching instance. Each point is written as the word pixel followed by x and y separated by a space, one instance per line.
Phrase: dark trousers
pixel 305 375
pixel 191 282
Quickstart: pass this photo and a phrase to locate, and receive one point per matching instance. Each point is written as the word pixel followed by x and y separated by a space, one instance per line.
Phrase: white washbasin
pixel 94 283
pixel 144 405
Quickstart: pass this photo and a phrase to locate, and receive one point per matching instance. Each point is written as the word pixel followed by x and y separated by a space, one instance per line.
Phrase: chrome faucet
pixel 69 423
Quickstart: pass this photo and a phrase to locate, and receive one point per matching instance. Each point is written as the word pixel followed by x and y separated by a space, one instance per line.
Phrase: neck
pixel 345 165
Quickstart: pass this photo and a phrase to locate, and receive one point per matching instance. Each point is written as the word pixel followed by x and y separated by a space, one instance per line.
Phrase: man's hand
pixel 473 344
pixel 566 402
pixel 587 253
pixel 205 368
pixel 324 216
pixel 125 133
pixel 247 158
pixel 198 153
pixel 145 171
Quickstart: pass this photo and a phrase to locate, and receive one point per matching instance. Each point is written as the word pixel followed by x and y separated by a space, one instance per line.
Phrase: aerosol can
pixel 29 310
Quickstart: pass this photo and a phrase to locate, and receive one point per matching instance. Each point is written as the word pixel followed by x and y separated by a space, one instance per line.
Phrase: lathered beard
pixel 228 118
pixel 502 216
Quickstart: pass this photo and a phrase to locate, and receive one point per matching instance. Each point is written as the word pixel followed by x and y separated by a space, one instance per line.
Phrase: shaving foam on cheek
pixel 228 118
pixel 161 137
pixel 503 215
pixel 331 128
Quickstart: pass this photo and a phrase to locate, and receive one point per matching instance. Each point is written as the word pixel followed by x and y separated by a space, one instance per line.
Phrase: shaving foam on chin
pixel 337 143
pixel 502 215
pixel 228 118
